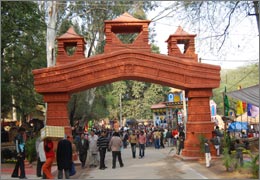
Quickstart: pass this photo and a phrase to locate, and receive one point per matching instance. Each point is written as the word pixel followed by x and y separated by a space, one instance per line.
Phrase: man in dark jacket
pixel 64 158
pixel 102 144
pixel 20 149
pixel 83 146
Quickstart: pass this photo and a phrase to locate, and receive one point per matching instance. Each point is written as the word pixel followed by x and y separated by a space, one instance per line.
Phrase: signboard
pixel 170 97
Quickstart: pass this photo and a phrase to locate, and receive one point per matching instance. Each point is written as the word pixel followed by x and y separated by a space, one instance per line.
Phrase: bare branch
pixel 226 29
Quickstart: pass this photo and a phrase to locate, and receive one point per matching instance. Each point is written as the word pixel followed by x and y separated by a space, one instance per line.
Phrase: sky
pixel 241 47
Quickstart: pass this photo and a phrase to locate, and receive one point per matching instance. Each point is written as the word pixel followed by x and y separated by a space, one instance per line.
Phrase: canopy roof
pixel 237 126
pixel 249 95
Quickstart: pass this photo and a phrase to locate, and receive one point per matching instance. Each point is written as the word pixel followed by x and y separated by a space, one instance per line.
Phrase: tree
pixel 215 23
pixel 91 16
pixel 22 51
pixel 245 76
pixel 219 17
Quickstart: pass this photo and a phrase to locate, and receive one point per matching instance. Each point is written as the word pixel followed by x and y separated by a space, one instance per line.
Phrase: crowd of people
pixel 92 147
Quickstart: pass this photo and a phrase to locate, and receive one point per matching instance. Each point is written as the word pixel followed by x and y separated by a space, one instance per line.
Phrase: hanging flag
pixel 240 109
pixel 249 106
pixel 254 111
pixel 244 106
pixel 226 103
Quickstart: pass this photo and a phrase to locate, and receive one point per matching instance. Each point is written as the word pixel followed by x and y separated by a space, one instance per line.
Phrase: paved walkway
pixel 157 164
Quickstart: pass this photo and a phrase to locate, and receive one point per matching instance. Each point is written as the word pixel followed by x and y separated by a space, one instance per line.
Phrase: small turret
pixel 180 37
pixel 71 47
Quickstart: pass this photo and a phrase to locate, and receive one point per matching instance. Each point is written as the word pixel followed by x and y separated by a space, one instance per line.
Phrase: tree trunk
pixel 51 32
pixel 256 6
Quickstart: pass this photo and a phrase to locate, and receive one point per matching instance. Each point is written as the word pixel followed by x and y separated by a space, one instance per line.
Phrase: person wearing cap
pixel 20 149
pixel 207 153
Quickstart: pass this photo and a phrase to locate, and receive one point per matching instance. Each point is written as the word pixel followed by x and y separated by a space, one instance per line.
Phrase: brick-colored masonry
pixel 135 61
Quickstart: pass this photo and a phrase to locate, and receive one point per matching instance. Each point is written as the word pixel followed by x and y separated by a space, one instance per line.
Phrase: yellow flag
pixel 240 110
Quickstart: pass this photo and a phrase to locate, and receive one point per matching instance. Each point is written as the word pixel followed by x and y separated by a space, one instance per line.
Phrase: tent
pixel 237 126
pixel 249 95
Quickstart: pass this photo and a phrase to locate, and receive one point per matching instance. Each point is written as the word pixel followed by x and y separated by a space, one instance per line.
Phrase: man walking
pixel 102 144
pixel 207 153
pixel 133 140
pixel 115 145
pixel 93 149
pixel 83 146
pixel 20 149
pixel 141 142
pixel 64 158
pixel 50 156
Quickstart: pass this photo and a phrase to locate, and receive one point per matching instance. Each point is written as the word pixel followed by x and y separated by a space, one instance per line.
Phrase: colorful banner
pixel 249 106
pixel 226 103
pixel 254 111
pixel 240 108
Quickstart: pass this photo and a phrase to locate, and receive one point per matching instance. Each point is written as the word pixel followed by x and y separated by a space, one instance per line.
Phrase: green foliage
pixel 23 49
pixel 30 149
pixel 202 143
pixel 253 165
pixel 228 159
pixel 245 76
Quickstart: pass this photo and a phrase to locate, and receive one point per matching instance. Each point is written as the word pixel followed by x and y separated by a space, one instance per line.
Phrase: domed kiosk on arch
pixel 135 61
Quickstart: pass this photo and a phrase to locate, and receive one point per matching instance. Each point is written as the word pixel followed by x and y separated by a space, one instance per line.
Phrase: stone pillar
pixel 57 111
pixel 199 122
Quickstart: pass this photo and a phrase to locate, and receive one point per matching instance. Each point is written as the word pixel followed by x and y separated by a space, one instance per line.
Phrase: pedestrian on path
pixel 102 144
pixel 93 149
pixel 83 146
pixel 175 135
pixel 20 150
pixel 216 142
pixel 169 137
pixel 162 138
pixel 125 139
pixel 239 152
pixel 115 145
pixel 64 158
pixel 41 158
pixel 181 139
pixel 141 142
pixel 157 137
pixel 133 140
pixel 207 153
pixel 50 156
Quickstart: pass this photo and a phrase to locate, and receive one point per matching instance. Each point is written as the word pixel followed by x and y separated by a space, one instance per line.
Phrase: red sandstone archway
pixel 131 62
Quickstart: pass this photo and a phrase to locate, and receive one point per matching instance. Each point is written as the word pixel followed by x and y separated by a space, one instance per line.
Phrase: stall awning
pixel 249 95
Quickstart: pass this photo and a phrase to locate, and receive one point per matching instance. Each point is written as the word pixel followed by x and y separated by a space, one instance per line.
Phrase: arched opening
pixel 132 62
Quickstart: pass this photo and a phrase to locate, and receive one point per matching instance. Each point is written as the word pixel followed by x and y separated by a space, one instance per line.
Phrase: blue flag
pixel 249 106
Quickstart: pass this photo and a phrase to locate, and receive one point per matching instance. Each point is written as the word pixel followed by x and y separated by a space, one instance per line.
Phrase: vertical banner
pixel 226 103
pixel 240 109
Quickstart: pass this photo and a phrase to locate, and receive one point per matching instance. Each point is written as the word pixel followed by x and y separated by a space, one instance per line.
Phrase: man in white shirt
pixel 93 149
